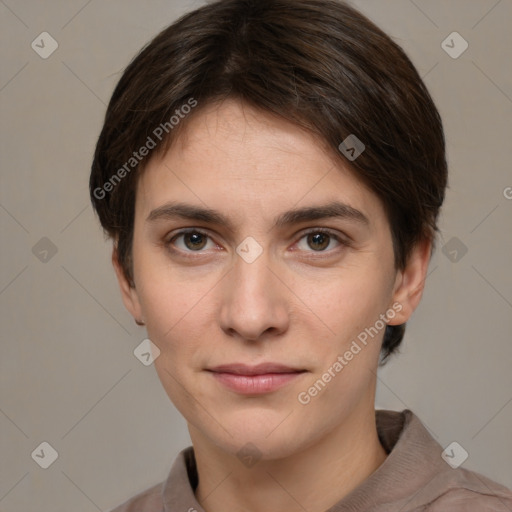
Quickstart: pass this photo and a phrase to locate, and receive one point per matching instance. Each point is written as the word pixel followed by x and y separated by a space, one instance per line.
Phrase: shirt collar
pixel 414 459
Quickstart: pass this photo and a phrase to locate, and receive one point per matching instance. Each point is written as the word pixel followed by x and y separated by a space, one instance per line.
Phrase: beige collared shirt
pixel 413 478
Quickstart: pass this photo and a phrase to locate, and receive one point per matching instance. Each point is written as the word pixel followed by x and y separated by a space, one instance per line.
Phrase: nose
pixel 255 301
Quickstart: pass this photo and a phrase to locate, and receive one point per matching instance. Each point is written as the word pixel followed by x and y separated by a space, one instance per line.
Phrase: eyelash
pixel 188 254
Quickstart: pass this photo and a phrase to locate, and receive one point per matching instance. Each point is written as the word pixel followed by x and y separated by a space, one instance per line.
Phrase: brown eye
pixel 319 241
pixel 194 240
pixel 191 241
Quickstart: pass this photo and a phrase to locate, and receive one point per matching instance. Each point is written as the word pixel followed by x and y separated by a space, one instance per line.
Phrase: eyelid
pixel 341 237
pixel 170 238
pixel 343 240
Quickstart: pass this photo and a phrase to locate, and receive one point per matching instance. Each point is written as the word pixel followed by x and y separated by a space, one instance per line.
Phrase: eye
pixel 319 239
pixel 193 240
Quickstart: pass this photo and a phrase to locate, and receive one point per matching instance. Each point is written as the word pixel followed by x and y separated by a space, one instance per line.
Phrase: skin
pixel 300 303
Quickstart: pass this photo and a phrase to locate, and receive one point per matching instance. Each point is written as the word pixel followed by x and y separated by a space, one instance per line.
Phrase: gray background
pixel 69 375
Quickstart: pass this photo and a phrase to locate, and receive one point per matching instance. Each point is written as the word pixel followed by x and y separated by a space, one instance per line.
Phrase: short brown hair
pixel 317 63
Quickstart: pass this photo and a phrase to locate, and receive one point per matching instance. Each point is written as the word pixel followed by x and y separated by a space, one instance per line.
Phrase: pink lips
pixel 255 380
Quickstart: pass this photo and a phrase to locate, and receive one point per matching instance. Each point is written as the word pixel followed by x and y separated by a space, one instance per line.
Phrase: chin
pixel 269 438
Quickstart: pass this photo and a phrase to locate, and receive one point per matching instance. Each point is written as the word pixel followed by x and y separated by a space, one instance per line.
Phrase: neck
pixel 313 479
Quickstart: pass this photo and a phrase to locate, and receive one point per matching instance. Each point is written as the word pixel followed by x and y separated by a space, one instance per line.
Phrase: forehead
pixel 232 157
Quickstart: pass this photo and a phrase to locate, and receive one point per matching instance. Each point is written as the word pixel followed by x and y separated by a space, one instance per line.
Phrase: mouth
pixel 255 380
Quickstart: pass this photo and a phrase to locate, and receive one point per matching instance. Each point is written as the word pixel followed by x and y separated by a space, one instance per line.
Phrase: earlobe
pixel 410 281
pixel 128 291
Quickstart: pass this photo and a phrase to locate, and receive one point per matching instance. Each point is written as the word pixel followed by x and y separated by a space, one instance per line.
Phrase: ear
pixel 128 291
pixel 410 282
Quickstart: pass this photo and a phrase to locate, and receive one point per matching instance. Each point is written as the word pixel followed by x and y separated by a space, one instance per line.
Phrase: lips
pixel 260 369
pixel 255 380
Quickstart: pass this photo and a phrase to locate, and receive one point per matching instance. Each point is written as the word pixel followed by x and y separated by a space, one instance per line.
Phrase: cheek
pixel 178 313
pixel 167 295
pixel 347 302
pixel 176 321
pixel 347 357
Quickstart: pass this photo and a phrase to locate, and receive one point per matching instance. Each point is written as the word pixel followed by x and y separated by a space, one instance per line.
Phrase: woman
pixel 271 173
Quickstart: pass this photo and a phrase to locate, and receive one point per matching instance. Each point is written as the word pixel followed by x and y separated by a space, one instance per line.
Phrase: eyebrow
pixel 334 209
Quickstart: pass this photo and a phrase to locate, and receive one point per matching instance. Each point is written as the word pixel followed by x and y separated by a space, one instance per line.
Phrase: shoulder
pixel 419 479
pixel 176 489
pixel 463 490
pixel 149 500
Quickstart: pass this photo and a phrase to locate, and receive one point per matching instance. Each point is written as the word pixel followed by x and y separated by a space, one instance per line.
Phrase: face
pixel 260 263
